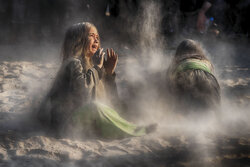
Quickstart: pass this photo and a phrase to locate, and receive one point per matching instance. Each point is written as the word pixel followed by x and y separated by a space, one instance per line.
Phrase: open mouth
pixel 94 47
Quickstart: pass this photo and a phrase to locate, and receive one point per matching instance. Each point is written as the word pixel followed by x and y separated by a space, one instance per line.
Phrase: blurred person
pixel 112 8
pixel 117 8
pixel 191 80
pixel 194 13
pixel 85 88
pixel 231 18
pixel 202 18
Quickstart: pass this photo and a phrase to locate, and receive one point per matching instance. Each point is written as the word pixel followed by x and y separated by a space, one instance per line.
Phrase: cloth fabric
pixel 105 121
pixel 194 64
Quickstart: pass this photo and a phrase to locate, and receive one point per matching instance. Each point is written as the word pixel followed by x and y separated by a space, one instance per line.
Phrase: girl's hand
pixel 111 62
pixel 98 58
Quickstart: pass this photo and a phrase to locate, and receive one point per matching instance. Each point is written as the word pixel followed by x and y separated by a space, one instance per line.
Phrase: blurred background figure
pixel 214 17
pixel 194 15
pixel 47 19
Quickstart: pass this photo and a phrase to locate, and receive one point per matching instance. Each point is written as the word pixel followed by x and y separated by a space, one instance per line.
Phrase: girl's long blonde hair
pixel 75 43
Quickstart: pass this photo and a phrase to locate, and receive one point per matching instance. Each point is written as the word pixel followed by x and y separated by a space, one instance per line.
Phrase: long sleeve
pixel 72 88
pixel 82 85
pixel 111 89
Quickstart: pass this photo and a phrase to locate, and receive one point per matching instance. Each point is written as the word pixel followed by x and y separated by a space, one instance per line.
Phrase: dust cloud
pixel 144 59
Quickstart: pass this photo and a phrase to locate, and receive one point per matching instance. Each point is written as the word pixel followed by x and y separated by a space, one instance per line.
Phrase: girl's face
pixel 93 41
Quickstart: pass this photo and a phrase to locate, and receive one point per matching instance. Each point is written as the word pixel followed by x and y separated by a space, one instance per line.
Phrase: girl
pixel 85 82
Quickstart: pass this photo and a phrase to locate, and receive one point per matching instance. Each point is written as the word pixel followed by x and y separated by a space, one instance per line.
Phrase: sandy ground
pixel 217 142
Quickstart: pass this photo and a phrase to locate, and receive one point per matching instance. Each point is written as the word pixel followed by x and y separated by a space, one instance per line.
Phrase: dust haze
pixel 144 56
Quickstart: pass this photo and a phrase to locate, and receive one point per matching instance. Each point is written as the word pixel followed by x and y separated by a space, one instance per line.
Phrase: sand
pixel 216 142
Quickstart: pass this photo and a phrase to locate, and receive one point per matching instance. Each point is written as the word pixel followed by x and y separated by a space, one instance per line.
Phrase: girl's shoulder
pixel 72 63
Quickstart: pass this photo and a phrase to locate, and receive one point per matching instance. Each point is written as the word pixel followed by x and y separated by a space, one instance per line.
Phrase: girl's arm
pixel 82 84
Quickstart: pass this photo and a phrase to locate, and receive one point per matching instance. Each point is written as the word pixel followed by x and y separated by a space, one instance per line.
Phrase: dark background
pixel 37 20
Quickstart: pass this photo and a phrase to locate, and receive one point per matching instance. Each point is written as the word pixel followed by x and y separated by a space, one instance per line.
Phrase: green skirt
pixel 103 120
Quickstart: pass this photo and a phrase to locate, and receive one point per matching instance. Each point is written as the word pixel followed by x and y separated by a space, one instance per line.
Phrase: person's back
pixel 191 79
